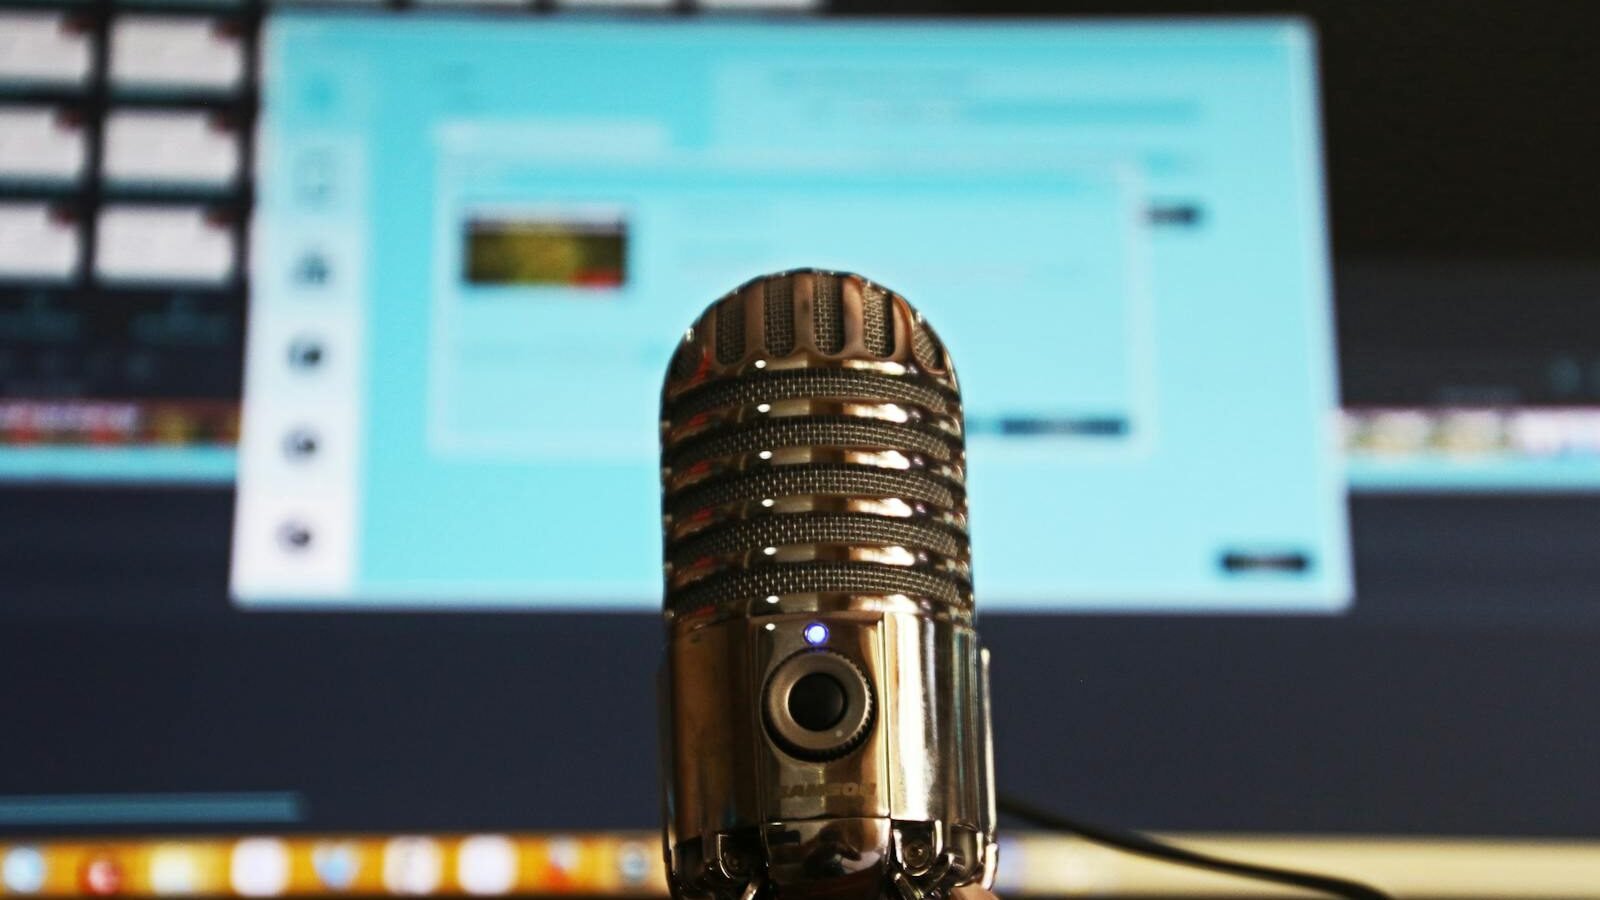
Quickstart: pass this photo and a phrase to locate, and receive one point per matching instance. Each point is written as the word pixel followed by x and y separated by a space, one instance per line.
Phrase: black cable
pixel 1144 845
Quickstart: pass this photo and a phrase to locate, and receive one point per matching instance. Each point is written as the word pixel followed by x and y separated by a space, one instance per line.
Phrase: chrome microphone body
pixel 825 697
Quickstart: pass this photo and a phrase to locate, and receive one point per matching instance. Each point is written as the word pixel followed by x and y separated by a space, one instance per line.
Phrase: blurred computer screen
pixel 495 239
pixel 330 345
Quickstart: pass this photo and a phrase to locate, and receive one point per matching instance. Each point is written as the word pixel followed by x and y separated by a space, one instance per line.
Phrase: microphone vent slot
pixel 926 348
pixel 827 314
pixel 730 330
pixel 877 328
pixel 778 305
pixel 685 360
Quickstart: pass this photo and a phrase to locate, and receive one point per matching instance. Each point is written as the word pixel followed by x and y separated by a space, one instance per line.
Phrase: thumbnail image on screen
pixel 558 247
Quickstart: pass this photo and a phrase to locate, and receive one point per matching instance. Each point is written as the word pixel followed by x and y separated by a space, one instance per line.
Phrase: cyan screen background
pixel 1212 339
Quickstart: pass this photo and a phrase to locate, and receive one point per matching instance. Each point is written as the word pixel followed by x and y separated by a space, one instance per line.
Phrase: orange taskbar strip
pixel 628 864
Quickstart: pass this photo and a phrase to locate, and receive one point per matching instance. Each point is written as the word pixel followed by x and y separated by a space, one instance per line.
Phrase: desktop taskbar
pixel 628 864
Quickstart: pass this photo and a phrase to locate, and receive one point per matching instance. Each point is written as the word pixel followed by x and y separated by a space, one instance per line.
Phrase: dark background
pixel 1455 698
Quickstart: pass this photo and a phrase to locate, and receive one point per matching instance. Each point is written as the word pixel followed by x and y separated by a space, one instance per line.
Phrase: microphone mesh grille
pixel 812 578
pixel 742 535
pixel 807 481
pixel 816 431
pixel 821 456
pixel 839 383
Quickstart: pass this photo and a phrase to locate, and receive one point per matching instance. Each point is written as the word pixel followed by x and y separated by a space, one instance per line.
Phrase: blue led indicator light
pixel 816 633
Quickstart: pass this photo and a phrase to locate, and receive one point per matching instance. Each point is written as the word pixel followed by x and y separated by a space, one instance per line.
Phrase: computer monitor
pixel 330 349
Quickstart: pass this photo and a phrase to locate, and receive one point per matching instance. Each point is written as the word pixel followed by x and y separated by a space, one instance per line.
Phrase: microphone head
pixel 825 698
pixel 812 446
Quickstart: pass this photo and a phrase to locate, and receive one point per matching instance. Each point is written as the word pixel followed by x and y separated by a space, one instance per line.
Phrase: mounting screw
pixel 917 853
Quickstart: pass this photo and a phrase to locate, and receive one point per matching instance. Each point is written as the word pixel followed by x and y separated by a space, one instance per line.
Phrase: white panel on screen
pixel 36 242
pixel 170 146
pixel 617 4
pixel 168 52
pixel 163 244
pixel 42 48
pixel 38 143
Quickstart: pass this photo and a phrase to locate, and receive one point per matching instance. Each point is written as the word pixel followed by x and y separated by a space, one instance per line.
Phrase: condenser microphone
pixel 825 698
